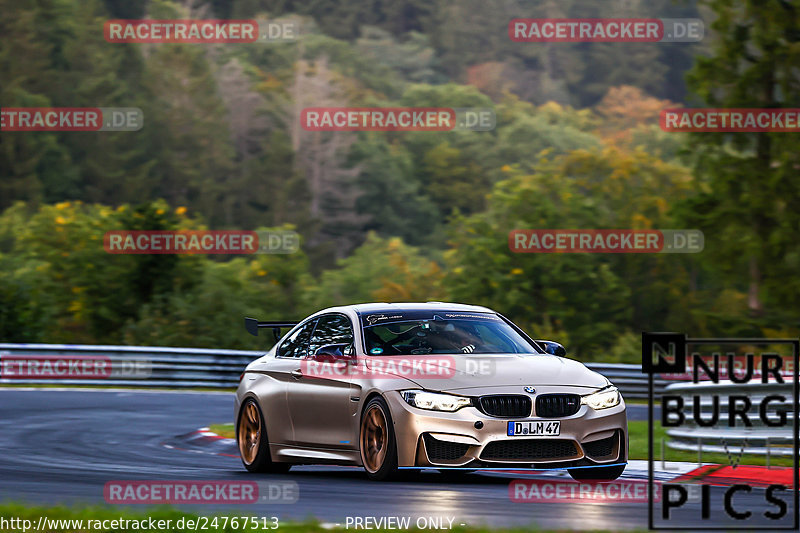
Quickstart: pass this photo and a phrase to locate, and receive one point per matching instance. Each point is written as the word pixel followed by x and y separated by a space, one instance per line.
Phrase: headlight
pixel 435 401
pixel 608 397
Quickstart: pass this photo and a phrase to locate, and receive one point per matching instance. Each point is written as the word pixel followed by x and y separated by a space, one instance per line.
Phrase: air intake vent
pixel 439 450
pixel 529 450
pixel 602 448
pixel 557 405
pixel 505 406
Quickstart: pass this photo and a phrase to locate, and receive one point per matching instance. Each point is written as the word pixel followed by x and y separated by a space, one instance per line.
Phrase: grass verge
pixel 223 430
pixel 637 449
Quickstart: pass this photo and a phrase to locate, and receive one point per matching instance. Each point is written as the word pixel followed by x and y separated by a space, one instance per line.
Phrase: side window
pixel 495 339
pixel 296 345
pixel 331 329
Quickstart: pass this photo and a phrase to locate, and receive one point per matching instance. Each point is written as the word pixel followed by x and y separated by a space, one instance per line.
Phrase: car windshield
pixel 439 335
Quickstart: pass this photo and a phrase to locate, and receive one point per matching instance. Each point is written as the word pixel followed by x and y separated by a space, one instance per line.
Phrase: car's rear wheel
pixel 597 473
pixel 251 437
pixel 377 441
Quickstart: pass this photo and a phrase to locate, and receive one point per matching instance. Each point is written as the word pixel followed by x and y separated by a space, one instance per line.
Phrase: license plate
pixel 548 428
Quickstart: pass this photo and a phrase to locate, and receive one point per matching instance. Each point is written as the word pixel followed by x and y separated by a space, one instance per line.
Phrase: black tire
pixel 377 468
pixel 598 473
pixel 262 461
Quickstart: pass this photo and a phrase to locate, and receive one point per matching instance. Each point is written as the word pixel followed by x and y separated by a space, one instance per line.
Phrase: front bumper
pixel 439 439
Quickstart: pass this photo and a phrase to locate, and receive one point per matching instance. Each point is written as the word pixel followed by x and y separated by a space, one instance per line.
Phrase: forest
pixel 392 215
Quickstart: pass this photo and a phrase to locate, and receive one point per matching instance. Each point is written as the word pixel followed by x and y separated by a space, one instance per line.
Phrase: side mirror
pixel 553 348
pixel 330 353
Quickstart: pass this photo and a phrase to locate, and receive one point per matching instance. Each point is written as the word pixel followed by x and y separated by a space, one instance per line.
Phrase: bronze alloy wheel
pixel 376 440
pixel 249 432
pixel 251 435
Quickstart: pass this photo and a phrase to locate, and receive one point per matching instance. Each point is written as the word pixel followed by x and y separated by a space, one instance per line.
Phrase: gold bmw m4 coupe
pixel 424 385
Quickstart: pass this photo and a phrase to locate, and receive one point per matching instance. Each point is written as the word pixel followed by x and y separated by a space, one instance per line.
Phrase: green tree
pixel 210 314
pixel 391 192
pixel 593 297
pixel 379 270
pixel 748 197
pixel 34 166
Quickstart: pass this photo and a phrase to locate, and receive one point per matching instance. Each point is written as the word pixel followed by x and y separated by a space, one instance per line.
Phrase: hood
pixel 511 370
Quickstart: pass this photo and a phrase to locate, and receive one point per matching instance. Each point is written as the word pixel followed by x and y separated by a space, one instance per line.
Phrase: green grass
pixel 9 511
pixel 636 401
pixel 637 449
pixel 223 430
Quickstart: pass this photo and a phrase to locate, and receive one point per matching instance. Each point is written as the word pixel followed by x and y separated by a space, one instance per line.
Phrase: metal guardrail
pixel 139 366
pixel 759 439
pixel 209 368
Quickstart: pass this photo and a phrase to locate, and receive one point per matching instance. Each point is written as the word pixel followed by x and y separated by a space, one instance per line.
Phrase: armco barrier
pixel 166 367
pixel 209 368
pixel 760 439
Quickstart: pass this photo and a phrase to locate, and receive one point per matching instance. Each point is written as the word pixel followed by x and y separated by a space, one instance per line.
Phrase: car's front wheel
pixel 597 473
pixel 377 441
pixel 251 437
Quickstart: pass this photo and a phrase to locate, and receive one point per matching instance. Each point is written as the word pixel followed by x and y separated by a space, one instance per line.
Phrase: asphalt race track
pixel 62 446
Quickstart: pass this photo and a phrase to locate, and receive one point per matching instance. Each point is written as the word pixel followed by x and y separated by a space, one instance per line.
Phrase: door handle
pixel 297 373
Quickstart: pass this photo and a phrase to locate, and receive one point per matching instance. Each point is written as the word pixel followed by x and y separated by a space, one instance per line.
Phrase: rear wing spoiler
pixel 252 326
